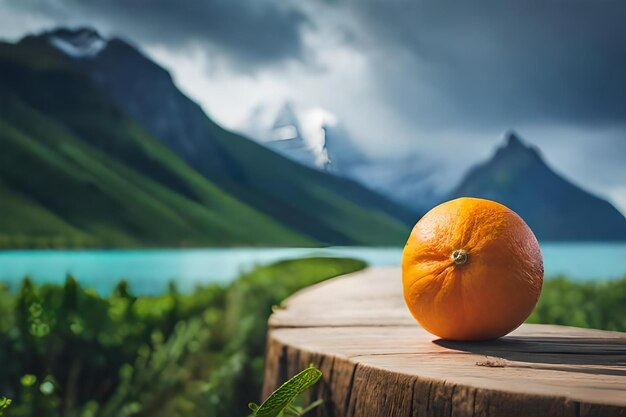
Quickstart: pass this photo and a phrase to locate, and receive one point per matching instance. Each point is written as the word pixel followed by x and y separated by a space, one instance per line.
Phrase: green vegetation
pixel 89 198
pixel 281 402
pixel 4 404
pixel 67 351
pixel 599 305
pixel 78 169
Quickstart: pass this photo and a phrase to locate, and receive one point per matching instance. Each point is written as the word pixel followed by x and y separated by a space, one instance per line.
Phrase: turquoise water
pixel 149 271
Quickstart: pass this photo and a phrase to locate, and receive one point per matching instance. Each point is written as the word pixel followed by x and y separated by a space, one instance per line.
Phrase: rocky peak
pixel 515 152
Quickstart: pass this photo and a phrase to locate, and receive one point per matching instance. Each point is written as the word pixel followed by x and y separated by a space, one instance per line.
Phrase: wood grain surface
pixel 377 361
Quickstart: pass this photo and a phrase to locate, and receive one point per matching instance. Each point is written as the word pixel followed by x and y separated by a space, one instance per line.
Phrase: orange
pixel 471 270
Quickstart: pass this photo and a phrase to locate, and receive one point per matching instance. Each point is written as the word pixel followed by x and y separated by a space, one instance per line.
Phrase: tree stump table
pixel 377 361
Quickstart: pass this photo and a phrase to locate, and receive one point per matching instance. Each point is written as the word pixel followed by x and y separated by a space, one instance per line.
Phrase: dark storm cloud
pixel 499 63
pixel 249 32
pixel 435 63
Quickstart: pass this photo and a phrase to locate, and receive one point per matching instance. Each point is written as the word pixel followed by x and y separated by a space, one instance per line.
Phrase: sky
pixel 439 78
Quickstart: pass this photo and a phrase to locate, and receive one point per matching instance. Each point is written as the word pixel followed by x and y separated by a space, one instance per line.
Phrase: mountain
pixel 283 130
pixel 99 148
pixel 405 178
pixel 58 189
pixel 344 155
pixel 555 209
pixel 314 137
pixel 80 43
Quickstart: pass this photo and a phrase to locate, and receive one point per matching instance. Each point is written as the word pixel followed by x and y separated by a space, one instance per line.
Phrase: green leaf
pixel 28 380
pixel 4 403
pixel 286 393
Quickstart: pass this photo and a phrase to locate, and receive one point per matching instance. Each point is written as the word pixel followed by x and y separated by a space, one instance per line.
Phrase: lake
pixel 149 271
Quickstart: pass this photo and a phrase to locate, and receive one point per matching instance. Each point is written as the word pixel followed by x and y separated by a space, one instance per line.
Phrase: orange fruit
pixel 471 270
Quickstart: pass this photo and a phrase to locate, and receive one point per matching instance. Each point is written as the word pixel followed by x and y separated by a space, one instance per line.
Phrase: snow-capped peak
pixel 80 43
pixel 313 124
pixel 303 127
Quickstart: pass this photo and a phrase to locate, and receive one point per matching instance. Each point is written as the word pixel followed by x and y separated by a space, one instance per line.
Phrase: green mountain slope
pixel 108 202
pixel 329 208
pixel 24 223
pixel 76 170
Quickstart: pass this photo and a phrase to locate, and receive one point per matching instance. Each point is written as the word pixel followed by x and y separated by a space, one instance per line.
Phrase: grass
pixel 67 351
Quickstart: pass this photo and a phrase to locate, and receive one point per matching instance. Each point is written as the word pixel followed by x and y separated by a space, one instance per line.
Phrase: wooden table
pixel 377 361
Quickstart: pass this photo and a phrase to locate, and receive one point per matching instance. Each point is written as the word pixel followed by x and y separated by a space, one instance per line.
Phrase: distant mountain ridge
pixel 129 160
pixel 100 148
pixel 555 209
pixel 281 129
pixel 405 179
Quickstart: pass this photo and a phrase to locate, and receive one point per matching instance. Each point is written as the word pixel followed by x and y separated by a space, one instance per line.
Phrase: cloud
pixel 498 63
pixel 401 75
pixel 481 65
pixel 245 34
